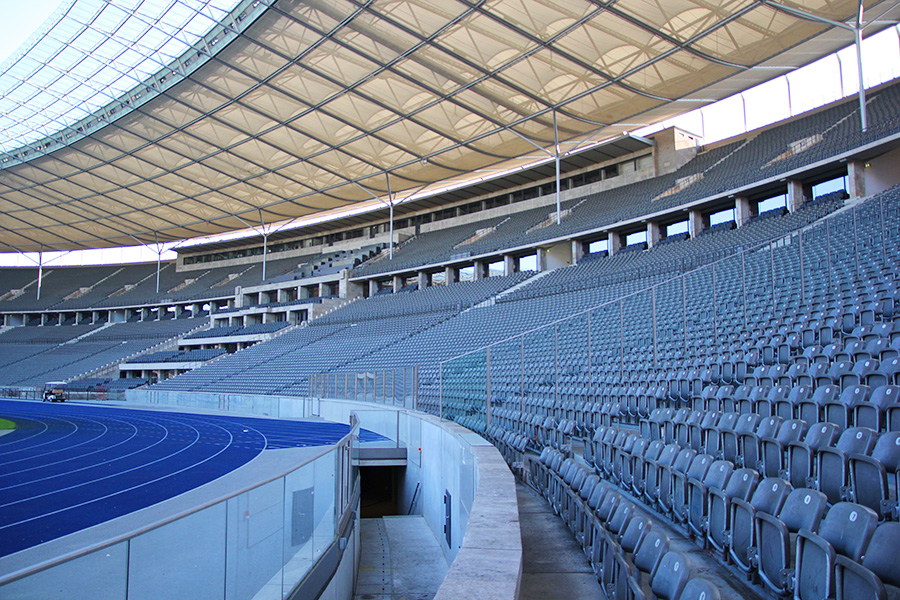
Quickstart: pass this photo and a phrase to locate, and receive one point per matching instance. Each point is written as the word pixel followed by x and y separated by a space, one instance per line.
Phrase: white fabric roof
pixel 225 118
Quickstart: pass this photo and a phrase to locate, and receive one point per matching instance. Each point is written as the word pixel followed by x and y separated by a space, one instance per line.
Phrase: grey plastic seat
pixel 874 479
pixel 716 477
pixel 768 497
pixel 801 455
pixel 740 485
pixel 671 576
pixel 749 443
pixel 846 531
pixel 699 589
pixel 652 471
pixel 606 540
pixel 773 450
pixel 729 444
pixel 681 483
pixel 681 464
pixel 877 575
pixel 831 462
pixel 775 534
pixel 873 413
pixel 649 553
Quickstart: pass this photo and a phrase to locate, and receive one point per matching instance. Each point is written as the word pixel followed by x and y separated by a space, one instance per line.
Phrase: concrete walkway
pixel 553 564
pixel 399 560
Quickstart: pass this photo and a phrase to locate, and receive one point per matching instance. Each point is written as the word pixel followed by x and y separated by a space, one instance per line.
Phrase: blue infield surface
pixel 67 466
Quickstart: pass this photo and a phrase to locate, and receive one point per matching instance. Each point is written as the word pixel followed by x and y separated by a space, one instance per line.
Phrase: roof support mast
pixel 857 31
pixel 40 270
pixel 556 159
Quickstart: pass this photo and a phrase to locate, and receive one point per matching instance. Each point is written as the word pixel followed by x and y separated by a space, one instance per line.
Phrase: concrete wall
pixel 882 172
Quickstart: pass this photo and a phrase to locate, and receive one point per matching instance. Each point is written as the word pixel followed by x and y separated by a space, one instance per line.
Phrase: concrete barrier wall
pixel 447 466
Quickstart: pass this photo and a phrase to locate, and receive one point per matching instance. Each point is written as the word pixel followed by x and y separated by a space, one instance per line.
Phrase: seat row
pixel 630 559
pixel 786 537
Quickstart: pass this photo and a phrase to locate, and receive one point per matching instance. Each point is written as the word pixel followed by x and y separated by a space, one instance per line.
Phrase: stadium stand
pixel 735 391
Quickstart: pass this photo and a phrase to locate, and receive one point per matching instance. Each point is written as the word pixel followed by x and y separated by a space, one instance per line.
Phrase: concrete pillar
pixel 653 234
pixel 577 251
pixel 423 280
pixel 323 290
pixel 541 262
pixel 856 179
pixel 451 274
pixel 795 195
pixel 397 283
pixel 695 223
pixel 348 289
pixel 741 211
pixel 373 287
pixel 509 264
pixel 481 270
pixel 614 244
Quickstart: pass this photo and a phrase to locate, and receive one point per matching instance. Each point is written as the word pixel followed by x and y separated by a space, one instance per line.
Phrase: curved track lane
pixel 68 466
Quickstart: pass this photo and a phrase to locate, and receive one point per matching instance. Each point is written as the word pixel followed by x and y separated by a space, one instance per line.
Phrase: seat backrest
pixel 746 423
pixel 768 427
pixel 821 435
pixel 742 483
pixel 718 475
pixel 640 446
pixel 848 528
pixel 803 509
pixel 668 454
pixel 634 532
pixel 648 555
pixel 825 394
pixel 884 395
pixel 854 394
pixel 699 466
pixel 857 440
pixel 683 460
pixel 621 517
pixel 792 430
pixel 700 589
pixel 881 555
pixel 654 450
pixel 671 576
pixel 770 495
pixel 887 451
pixel 710 419
pixel 799 393
pixel 727 421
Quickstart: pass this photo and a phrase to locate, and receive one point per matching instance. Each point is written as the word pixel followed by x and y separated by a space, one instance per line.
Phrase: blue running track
pixel 67 466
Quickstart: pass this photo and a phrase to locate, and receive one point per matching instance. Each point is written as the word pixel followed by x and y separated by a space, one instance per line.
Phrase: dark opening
pixel 379 491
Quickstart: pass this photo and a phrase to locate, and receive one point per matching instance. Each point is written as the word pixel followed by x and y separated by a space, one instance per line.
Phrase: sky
pixel 21 18
pixel 827 80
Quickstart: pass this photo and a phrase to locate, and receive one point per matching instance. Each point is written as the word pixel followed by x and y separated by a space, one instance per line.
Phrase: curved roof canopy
pixel 129 125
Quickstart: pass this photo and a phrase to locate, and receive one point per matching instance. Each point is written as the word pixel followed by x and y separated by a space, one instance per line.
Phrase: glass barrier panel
pixel 606 344
pixel 506 381
pixel 256 534
pixel 167 562
pixel 464 389
pixel 699 308
pixel 298 522
pixel 758 265
pixel 637 311
pixel 729 287
pixel 109 576
pixel 325 513
pixel 574 358
pixel 539 360
pixel 787 275
pixel 670 316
